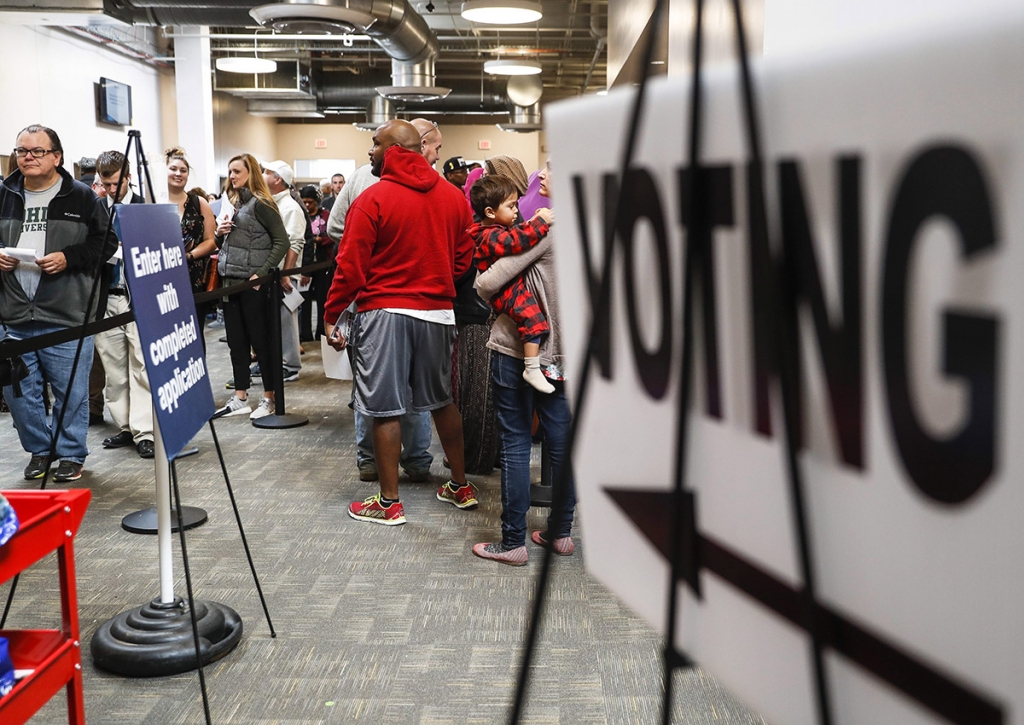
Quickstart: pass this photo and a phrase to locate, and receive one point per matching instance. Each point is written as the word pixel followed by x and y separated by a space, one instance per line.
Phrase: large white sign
pixel 897 182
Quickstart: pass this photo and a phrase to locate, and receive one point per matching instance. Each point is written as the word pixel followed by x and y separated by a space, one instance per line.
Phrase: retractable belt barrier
pixel 11 348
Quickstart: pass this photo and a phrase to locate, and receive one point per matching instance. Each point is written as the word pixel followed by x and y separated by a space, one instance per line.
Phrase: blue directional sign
pixel 157 274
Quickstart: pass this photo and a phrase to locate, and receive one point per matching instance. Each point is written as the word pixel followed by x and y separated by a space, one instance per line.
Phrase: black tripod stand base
pixel 288 420
pixel 144 521
pixel 156 640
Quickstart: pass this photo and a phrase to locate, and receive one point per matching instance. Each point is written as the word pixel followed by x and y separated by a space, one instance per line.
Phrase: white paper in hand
pixel 336 364
pixel 22 255
pixel 227 209
pixel 292 298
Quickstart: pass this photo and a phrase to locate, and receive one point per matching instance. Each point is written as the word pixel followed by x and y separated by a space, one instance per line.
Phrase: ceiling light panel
pixel 512 67
pixel 246 64
pixel 502 12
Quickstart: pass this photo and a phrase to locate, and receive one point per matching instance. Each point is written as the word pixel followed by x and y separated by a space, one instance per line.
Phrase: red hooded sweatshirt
pixel 406 240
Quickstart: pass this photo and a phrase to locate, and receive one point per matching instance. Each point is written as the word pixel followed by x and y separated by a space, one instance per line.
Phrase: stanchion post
pixel 277 341
pixel 163 517
pixel 279 419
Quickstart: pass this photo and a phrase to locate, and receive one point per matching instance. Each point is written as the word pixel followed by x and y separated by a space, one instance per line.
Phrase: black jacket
pixel 76 225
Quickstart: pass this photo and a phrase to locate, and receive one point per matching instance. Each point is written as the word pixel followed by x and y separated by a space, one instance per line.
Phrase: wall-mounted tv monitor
pixel 115 103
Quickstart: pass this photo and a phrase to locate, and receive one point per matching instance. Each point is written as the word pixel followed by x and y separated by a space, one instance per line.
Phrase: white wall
pixel 344 141
pixel 48 78
pixel 236 132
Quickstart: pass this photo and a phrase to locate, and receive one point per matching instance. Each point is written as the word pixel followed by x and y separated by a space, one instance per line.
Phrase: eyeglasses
pixel 34 153
pixel 429 131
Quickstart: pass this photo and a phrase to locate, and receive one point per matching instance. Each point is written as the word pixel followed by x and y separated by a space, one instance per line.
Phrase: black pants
pixel 320 283
pixel 247 324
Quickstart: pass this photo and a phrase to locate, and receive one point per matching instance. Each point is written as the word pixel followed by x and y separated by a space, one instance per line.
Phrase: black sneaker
pixel 67 471
pixel 37 467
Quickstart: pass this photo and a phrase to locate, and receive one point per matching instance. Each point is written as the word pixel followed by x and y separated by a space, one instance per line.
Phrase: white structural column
pixel 194 93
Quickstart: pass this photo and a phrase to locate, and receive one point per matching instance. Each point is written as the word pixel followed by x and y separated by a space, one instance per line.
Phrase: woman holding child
pixel 515 398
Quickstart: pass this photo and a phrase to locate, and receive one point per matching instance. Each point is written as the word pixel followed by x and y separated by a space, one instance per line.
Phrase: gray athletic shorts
pixel 393 353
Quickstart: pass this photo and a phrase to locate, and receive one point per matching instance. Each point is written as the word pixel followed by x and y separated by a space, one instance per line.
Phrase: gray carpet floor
pixel 380 625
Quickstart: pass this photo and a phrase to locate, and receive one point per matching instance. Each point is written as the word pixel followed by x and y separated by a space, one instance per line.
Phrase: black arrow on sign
pixel 651 512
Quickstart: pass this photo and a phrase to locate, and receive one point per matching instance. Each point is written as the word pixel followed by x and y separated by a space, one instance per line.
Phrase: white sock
pixel 535 377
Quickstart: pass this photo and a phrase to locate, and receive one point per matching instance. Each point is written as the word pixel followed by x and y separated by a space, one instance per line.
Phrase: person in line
pixel 497 235
pixel 455 170
pixel 415 457
pixel 405 242
pixel 511 168
pixel 515 403
pixel 97 378
pixel 45 211
pixel 430 140
pixel 87 170
pixel 336 184
pixel 198 227
pixel 127 392
pixel 252 242
pixel 320 250
pixel 278 177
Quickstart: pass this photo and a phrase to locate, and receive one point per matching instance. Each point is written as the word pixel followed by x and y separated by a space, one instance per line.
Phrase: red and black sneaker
pixel 373 511
pixel 463 497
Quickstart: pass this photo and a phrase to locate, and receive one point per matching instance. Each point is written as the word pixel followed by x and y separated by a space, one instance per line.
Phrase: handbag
pixel 212 275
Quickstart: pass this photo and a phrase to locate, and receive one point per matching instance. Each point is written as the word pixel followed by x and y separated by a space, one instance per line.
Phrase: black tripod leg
pixel 191 597
pixel 241 530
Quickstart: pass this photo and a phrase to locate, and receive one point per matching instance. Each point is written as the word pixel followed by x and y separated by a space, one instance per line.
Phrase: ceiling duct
pixel 337 90
pixel 380 111
pixel 393 24
pixel 284 107
pixel 523 119
pixel 228 13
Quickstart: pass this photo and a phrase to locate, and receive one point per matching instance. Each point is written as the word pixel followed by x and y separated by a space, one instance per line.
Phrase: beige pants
pixel 127 390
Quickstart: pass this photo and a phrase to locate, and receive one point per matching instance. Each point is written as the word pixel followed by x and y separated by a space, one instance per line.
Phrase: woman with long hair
pixel 252 241
pixel 197 228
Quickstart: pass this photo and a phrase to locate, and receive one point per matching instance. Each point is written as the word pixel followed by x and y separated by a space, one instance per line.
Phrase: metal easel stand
pixel 156 639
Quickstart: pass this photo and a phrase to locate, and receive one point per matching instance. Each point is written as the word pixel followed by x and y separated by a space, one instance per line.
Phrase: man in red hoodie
pixel 405 243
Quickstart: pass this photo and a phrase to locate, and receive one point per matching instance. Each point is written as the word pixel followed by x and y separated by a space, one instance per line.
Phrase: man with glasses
pixel 52 230
pixel 430 139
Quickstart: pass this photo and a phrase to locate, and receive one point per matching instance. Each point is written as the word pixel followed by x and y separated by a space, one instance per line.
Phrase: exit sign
pixel 484 145
pixel 320 143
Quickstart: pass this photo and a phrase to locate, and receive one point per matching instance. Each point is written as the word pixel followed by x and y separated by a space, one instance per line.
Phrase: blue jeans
pixel 54 364
pixel 514 403
pixel 415 458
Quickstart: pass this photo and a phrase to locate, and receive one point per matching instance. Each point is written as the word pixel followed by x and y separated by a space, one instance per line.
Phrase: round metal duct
pixel 393 24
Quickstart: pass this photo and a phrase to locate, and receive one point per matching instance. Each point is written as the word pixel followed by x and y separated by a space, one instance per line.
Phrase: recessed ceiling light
pixel 246 64
pixel 502 12
pixel 512 67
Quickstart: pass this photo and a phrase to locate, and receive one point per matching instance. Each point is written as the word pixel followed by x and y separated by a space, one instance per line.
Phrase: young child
pixel 496 235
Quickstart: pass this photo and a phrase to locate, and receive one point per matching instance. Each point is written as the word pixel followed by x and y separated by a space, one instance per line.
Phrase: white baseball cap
pixel 281 169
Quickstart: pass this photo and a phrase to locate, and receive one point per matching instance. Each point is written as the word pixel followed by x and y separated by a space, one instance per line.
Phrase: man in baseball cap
pixel 455 170
pixel 283 171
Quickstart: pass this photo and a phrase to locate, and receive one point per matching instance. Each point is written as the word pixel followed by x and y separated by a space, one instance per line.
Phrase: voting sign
pixel 895 186
pixel 157 274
